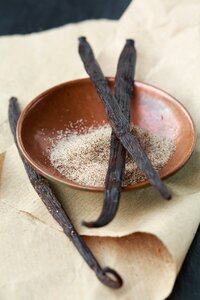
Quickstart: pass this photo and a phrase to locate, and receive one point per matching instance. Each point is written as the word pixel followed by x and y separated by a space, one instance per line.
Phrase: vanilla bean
pixel 53 205
pixel 118 121
pixel 123 90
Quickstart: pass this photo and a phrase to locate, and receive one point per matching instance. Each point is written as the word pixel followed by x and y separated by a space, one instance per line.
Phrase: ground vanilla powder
pixel 83 157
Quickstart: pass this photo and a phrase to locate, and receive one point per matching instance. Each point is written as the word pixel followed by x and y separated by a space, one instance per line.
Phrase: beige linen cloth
pixel 149 238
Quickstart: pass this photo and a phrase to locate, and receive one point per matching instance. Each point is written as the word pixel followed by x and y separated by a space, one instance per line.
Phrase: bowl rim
pixel 76 185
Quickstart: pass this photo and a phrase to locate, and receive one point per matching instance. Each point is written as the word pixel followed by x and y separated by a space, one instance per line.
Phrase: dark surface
pixel 24 16
pixel 187 286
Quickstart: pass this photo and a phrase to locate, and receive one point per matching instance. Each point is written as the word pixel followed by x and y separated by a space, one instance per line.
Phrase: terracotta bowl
pixel 151 109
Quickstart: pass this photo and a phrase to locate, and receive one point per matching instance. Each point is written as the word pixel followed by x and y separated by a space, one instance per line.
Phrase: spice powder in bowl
pixel 82 156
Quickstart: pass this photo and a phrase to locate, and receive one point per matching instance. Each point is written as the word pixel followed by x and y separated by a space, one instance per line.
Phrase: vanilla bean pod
pixel 53 205
pixel 118 121
pixel 123 91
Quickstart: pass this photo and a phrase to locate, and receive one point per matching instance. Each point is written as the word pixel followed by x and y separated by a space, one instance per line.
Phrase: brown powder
pixel 83 157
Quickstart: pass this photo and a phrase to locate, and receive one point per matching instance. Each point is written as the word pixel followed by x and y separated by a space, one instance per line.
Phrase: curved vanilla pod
pixel 124 82
pixel 54 206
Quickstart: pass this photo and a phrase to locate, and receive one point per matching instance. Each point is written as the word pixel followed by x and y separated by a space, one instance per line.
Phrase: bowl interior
pixel 55 109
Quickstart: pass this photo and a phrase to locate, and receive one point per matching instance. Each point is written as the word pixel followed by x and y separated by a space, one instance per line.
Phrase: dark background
pixel 26 16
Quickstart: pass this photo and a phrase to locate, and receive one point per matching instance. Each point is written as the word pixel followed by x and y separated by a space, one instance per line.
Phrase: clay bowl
pixel 151 109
